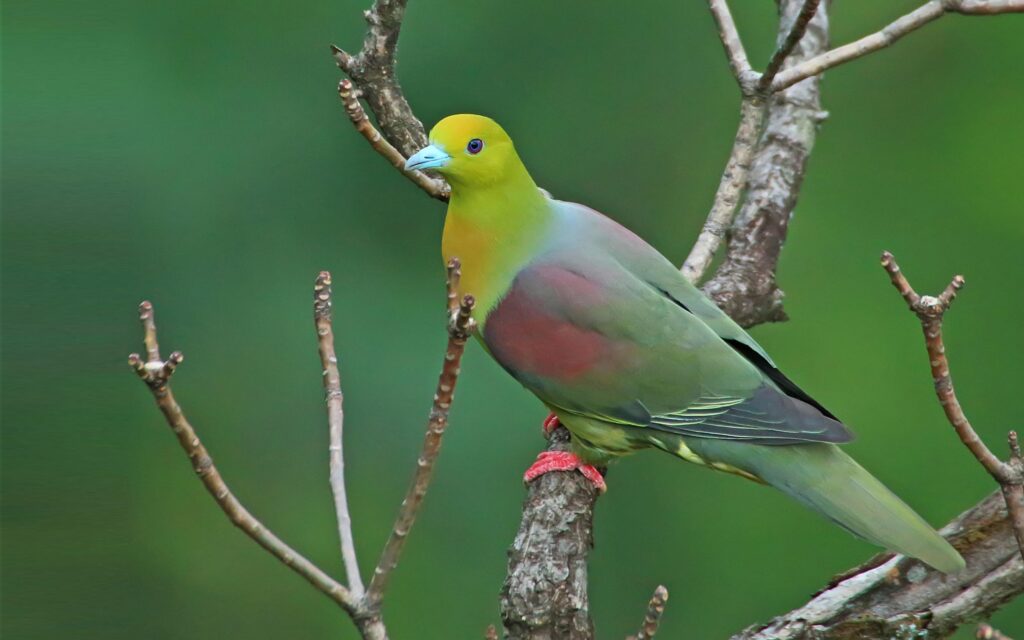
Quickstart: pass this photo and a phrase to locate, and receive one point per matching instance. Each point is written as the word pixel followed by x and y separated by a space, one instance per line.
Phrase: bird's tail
pixel 824 478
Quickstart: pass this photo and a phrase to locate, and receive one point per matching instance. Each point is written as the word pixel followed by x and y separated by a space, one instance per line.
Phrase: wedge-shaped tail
pixel 830 482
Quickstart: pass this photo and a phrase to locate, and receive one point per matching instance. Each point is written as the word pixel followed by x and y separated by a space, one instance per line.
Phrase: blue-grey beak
pixel 429 157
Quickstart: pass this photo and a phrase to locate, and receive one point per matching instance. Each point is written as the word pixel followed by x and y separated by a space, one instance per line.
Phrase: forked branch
pixel 156 373
pixel 892 32
pixel 363 608
pixel 459 328
pixel 930 310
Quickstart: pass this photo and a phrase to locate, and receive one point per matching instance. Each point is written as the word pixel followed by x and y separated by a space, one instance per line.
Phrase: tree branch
pixel 794 21
pixel 930 311
pixel 730 189
pixel 333 398
pixel 545 591
pixel 157 373
pixel 892 32
pixel 987 632
pixel 744 284
pixel 372 72
pixel 433 187
pixel 796 31
pixel 734 51
pixel 655 609
pixel 460 327
pixel 897 597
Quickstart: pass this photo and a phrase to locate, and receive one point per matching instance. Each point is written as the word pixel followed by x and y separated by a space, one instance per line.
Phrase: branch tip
pixel 930 311
pixel 655 609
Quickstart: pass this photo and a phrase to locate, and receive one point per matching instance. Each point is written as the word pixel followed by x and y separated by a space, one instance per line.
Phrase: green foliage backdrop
pixel 195 153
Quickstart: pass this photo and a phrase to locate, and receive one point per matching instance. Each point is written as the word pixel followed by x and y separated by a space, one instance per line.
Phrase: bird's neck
pixel 494 230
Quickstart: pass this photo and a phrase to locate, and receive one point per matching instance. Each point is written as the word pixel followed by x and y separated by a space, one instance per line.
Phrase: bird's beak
pixel 429 157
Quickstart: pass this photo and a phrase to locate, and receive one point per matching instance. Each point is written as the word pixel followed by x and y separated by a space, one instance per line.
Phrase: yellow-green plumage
pixel 629 355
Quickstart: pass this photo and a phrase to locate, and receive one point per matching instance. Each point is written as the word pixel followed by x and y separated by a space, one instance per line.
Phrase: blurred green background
pixel 195 153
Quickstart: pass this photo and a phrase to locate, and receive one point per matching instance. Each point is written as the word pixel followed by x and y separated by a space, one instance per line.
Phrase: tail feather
pixel 824 478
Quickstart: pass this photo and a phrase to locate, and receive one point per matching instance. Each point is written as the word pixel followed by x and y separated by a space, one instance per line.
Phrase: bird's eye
pixel 475 146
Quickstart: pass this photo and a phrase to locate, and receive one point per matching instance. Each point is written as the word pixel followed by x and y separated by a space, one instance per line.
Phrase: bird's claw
pixel 550 424
pixel 549 461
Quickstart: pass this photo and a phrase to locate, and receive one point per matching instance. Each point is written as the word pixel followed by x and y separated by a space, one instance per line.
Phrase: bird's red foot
pixel 564 461
pixel 550 424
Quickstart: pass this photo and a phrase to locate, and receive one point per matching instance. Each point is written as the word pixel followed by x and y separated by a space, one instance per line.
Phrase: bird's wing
pixel 648 265
pixel 589 337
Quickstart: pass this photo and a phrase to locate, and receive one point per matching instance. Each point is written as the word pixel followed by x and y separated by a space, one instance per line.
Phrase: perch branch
pixel 655 609
pixel 460 327
pixel 350 100
pixel 335 419
pixel 930 311
pixel 156 373
pixel 895 30
pixel 545 591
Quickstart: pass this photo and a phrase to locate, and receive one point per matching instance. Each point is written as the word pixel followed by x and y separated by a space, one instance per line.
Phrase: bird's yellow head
pixel 470 151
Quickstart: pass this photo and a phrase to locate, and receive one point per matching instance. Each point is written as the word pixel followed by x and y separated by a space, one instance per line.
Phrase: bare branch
pixel 157 374
pixel 744 284
pixel 895 30
pixel 335 419
pixel 930 311
pixel 655 609
pixel 988 632
pixel 459 330
pixel 435 188
pixel 796 31
pixel 373 72
pixel 734 51
pixel 900 597
pixel 545 591
pixel 730 188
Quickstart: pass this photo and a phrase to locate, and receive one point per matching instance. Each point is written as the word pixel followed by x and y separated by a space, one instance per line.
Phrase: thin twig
pixel 157 374
pixel 988 632
pixel 460 327
pixel 734 51
pixel 655 609
pixel 335 419
pixel 372 70
pixel 892 32
pixel 730 189
pixel 930 311
pixel 788 43
pixel 349 98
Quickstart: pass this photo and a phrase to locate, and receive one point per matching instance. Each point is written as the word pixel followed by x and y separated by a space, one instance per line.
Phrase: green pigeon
pixel 628 355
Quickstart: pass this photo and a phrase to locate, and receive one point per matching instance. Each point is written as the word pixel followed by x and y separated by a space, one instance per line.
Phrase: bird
pixel 627 354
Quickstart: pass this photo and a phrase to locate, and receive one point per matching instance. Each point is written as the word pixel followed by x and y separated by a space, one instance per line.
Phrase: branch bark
pixel 545 590
pixel 459 329
pixel 333 398
pixel 897 597
pixel 363 608
pixel 744 285
pixel 156 373
pixel 892 32
pixel 931 310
